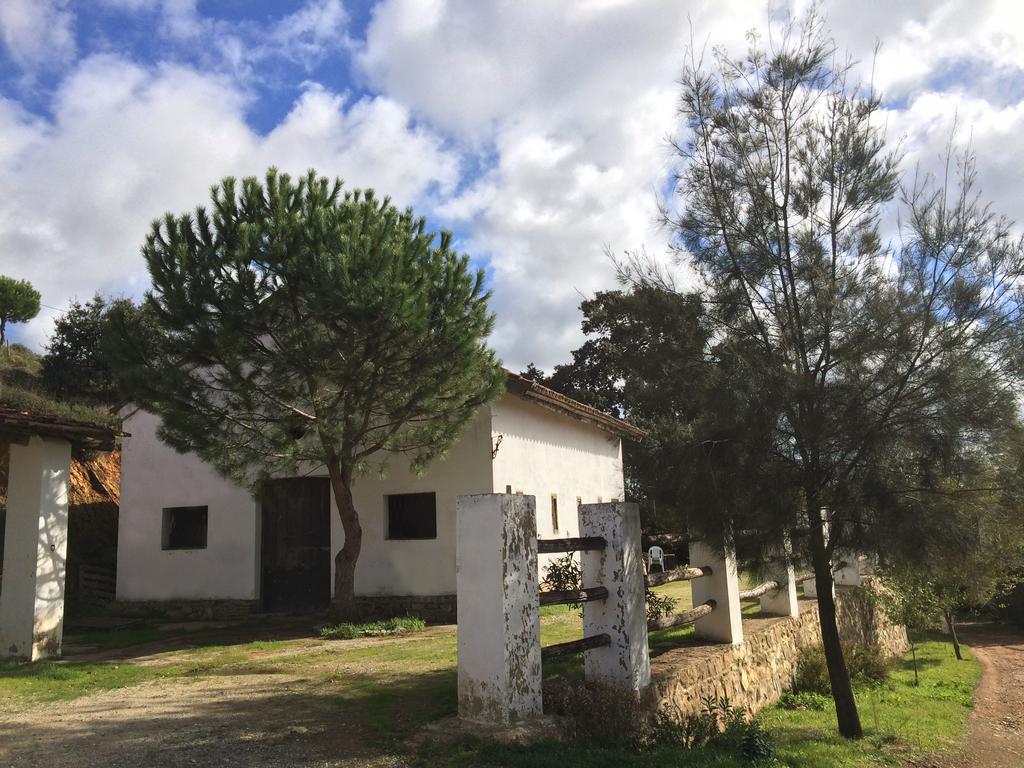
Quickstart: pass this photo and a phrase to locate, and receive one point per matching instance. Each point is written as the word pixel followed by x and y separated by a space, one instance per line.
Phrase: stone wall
pixel 755 674
pixel 204 610
pixel 438 609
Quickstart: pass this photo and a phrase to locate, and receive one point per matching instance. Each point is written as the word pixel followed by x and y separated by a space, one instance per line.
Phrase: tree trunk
pixel 838 675
pixel 951 623
pixel 348 555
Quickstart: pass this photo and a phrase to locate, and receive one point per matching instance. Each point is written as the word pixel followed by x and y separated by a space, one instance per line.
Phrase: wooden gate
pixel 296 550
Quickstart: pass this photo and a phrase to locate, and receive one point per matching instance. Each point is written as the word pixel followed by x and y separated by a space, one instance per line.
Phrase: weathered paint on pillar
pixel 626 663
pixel 848 570
pixel 782 601
pixel 725 623
pixel 499 666
pixel 35 547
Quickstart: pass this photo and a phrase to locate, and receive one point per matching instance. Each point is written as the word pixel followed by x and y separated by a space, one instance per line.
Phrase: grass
pixel 22 390
pixel 385 688
pixel 394 626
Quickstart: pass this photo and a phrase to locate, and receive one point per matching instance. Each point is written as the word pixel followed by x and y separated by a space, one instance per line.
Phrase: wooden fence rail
pixel 575 646
pixel 585 544
pixel 759 590
pixel 677 574
pixel 682 618
pixel 570 596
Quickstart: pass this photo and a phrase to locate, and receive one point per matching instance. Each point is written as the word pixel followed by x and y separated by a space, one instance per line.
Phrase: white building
pixel 195 543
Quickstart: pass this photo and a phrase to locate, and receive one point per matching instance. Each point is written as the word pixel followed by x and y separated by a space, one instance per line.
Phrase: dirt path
pixel 996 737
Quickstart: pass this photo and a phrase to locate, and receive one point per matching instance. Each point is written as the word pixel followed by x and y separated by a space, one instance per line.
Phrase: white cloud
pixel 570 106
pixel 537 130
pixel 38 33
pixel 127 143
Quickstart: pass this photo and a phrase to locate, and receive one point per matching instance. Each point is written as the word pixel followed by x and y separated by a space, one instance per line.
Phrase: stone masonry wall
pixel 756 673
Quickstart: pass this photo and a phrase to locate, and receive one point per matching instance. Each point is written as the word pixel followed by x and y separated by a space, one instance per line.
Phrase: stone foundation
pixel 188 610
pixel 437 609
pixel 756 673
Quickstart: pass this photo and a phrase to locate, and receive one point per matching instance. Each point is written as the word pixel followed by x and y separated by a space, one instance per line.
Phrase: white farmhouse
pixel 191 542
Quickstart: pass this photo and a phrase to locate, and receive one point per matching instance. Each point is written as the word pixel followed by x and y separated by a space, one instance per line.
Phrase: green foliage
pixel 805 700
pixel 867 665
pixel 394 626
pixel 563 574
pixel 812 672
pixel 298 322
pixel 75 365
pixel 22 388
pixel 19 303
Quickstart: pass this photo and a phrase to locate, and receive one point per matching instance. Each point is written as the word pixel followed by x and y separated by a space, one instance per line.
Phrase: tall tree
pixel 74 365
pixel 19 303
pixel 879 361
pixel 300 325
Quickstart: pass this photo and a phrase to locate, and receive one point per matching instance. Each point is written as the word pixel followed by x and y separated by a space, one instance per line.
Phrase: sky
pixel 537 131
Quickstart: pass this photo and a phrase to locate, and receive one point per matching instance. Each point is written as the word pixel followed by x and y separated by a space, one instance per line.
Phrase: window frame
pixel 167 526
pixel 388 536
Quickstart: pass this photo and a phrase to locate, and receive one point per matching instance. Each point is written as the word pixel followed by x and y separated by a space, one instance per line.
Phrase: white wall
pixel 424 566
pixel 154 476
pixel 544 452
pixel 541 452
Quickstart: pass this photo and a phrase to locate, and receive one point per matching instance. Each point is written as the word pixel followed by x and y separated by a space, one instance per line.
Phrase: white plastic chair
pixel 656 555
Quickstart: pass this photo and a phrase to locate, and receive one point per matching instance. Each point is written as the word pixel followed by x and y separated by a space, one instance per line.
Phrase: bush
pixel 805 700
pixel 867 665
pixel 812 672
pixel 394 626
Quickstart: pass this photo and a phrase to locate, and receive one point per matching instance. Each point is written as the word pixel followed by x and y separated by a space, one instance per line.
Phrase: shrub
pixel 867 665
pixel 659 605
pixel 393 626
pixel 812 672
pixel 805 700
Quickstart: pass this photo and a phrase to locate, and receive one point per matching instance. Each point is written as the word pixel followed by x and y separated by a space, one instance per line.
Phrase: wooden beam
pixel 677 574
pixel 682 618
pixel 551 546
pixel 575 646
pixel 759 590
pixel 570 596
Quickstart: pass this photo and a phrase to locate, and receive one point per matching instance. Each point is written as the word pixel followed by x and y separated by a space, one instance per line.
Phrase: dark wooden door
pixel 297 544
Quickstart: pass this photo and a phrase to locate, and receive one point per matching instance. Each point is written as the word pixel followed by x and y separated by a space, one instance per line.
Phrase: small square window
pixel 185 527
pixel 412 516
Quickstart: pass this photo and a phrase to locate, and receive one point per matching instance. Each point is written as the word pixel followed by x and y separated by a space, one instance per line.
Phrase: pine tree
pixel 19 303
pixel 298 325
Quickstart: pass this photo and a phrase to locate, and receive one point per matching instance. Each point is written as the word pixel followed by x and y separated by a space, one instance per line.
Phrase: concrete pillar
pixel 848 570
pixel 619 567
pixel 35 547
pixel 725 623
pixel 499 664
pixel 783 601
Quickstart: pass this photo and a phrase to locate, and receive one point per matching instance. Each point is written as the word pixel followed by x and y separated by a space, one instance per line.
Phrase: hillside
pixel 21 389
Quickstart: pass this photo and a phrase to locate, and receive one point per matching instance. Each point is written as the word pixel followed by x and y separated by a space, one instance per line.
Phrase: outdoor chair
pixel 655 555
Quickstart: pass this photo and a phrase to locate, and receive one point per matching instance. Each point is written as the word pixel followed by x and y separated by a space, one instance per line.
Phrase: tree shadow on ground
pixel 228 721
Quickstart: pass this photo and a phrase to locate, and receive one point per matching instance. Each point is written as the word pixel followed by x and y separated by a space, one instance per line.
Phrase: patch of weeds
pixel 394 626
pixel 805 700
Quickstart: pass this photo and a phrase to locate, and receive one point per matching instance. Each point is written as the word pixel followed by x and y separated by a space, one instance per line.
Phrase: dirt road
pixel 997 724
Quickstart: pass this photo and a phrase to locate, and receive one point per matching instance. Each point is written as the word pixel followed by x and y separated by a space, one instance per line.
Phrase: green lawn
pixel 386 688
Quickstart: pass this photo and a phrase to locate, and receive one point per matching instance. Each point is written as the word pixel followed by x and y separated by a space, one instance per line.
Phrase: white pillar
pixel 848 572
pixel 782 601
pixel 35 547
pixel 626 663
pixel 499 664
pixel 725 623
